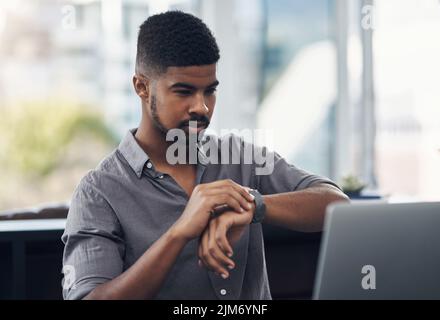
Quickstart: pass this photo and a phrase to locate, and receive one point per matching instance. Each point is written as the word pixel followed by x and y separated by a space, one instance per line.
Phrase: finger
pixel 230 197
pixel 202 245
pixel 219 198
pixel 221 254
pixel 216 259
pixel 244 191
pixel 199 256
pixel 237 194
pixel 220 209
pixel 222 240
pixel 204 252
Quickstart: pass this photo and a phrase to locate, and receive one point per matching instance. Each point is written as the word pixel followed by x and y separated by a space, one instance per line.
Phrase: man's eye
pixel 210 91
pixel 183 92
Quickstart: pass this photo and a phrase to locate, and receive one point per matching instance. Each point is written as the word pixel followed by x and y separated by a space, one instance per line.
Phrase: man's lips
pixel 197 128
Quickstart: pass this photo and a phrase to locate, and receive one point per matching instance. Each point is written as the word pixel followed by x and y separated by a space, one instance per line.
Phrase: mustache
pixel 202 121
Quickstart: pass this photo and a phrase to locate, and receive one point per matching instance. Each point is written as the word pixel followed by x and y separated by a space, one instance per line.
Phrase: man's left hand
pixel 216 242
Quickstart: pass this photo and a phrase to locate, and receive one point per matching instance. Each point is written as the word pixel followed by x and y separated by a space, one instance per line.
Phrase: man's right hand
pixel 204 199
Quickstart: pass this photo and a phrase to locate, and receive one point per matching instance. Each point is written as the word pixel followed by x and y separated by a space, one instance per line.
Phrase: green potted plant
pixel 352 186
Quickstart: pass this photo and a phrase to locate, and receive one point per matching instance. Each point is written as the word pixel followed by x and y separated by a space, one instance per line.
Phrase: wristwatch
pixel 260 207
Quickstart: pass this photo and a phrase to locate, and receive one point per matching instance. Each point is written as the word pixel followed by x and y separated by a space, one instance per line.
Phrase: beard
pixel 195 138
pixel 155 116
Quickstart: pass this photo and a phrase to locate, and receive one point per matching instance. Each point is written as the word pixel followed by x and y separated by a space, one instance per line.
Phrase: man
pixel 140 227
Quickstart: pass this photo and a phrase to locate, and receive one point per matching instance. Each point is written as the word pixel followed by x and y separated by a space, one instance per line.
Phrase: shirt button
pixel 149 165
pixel 223 292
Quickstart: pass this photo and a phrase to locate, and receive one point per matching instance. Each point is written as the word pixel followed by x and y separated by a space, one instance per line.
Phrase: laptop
pixel 380 251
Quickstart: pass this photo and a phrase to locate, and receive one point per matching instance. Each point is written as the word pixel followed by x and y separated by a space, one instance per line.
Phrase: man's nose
pixel 199 105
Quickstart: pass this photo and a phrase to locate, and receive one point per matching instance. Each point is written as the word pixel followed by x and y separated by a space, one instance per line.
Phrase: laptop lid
pixel 380 251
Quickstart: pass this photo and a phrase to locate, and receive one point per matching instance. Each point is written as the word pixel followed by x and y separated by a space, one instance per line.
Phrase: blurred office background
pixel 347 86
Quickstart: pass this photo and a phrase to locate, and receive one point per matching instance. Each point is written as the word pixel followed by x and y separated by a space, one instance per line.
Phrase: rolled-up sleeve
pixel 286 177
pixel 93 243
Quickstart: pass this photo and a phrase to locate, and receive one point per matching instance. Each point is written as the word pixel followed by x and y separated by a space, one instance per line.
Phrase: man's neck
pixel 153 142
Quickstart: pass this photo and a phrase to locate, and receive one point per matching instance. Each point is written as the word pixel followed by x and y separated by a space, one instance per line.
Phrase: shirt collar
pixel 133 153
pixel 137 158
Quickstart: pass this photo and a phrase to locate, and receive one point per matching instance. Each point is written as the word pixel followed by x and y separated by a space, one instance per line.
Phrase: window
pixel 407 82
pixel 299 88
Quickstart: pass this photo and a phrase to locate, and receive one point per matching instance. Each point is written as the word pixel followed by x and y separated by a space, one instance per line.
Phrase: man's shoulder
pixel 111 167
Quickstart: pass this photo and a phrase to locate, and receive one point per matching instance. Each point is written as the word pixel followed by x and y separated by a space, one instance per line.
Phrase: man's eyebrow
pixel 214 84
pixel 190 86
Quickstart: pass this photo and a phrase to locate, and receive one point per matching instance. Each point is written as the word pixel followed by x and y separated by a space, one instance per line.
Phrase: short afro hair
pixel 174 39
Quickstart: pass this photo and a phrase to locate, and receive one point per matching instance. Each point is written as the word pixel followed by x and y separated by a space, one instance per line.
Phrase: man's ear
pixel 141 86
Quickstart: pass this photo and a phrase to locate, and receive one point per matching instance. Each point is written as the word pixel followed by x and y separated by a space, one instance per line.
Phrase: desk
pixel 30 253
pixel 31 260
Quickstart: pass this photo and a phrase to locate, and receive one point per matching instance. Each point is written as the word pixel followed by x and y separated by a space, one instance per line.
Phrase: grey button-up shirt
pixel 123 206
